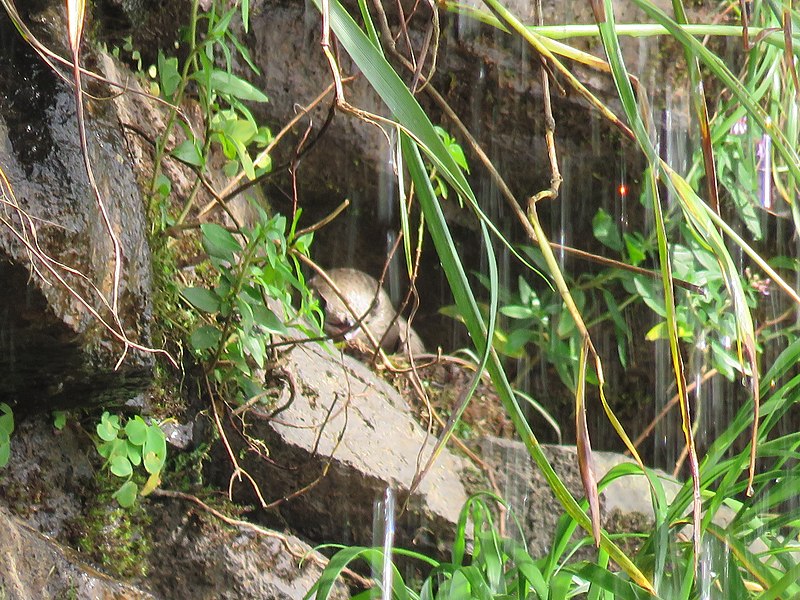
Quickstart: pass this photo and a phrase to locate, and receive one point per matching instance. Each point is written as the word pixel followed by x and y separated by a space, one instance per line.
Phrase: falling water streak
pixel 564 209
pixel 765 171
pixel 706 574
pixel 387 217
pixel 383 529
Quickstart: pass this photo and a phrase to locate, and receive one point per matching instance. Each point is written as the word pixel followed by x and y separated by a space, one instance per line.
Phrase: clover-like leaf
pixel 136 430
pixel 126 494
pixel 155 450
pixel 121 466
pixel 108 427
pixel 134 453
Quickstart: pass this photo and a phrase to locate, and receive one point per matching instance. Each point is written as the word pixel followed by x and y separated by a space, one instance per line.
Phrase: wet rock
pixel 347 424
pixel 50 482
pixel 34 566
pixel 209 561
pixel 625 501
pixel 372 309
pixel 55 352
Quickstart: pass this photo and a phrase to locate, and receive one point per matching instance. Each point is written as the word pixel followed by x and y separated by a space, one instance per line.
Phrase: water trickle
pixel 383 529
pixel 764 152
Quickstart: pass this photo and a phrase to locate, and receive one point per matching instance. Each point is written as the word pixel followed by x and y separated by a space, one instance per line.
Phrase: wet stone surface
pixel 52 228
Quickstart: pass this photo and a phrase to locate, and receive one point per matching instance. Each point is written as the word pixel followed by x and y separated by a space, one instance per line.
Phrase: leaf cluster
pixel 250 299
pixel 128 446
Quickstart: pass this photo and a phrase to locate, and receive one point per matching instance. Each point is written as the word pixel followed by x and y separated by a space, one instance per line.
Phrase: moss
pixel 115 538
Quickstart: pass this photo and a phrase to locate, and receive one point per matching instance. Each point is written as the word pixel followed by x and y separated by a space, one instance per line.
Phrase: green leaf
pixel 636 249
pixel 205 337
pixel 155 450
pixel 6 418
pixel 121 466
pixel 134 453
pixel 126 495
pixel 152 462
pixel 228 83
pixel 269 320
pixel 152 483
pixel 205 300
pixel 517 312
pixel 108 427
pixel 136 430
pixel 59 419
pixel 255 347
pixel 169 75
pixel 605 230
pixel 5 453
pixel 189 152
pixel 219 242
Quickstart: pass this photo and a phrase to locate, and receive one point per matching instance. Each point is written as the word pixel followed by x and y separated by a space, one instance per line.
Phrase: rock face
pixel 371 309
pixel 209 561
pixel 50 346
pixel 34 566
pixel 344 422
pixel 51 478
pixel 626 500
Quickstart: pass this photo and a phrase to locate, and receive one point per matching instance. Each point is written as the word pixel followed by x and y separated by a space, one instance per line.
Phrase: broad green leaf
pixel 121 466
pixel 108 427
pixel 517 312
pixel 126 495
pixel 155 450
pixel 228 83
pixel 219 242
pixel 605 230
pixel 6 418
pixel 205 300
pixel 136 430
pixel 169 75
pixel 205 337
pixel 134 453
pixel 189 152
pixel 269 320
pixel 5 452
pixel 59 419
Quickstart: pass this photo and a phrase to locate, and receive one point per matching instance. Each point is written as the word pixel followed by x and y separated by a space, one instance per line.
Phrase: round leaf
pixel 121 466
pixel 107 427
pixel 134 453
pixel 126 495
pixel 155 450
pixel 136 430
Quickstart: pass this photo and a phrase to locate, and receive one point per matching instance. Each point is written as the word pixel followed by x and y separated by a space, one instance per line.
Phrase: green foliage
pixel 128 446
pixel 756 546
pixel 115 537
pixel 249 300
pixel 457 153
pixel 485 565
pixel 223 98
pixel 59 419
pixel 6 429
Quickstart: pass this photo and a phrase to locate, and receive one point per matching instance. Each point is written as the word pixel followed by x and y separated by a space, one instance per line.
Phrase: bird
pixel 371 308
